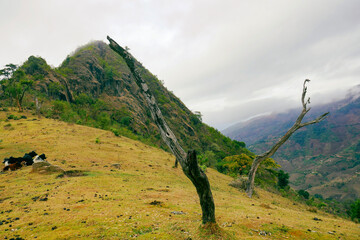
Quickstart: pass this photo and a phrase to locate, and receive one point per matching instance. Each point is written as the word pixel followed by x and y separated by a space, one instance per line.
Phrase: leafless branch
pixel 297 125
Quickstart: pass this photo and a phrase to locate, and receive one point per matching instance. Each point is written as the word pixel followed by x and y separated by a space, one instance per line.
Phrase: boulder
pixel 46 168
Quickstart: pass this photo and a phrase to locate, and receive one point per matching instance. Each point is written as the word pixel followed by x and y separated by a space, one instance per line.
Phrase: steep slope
pixel 145 198
pixel 94 87
pixel 322 158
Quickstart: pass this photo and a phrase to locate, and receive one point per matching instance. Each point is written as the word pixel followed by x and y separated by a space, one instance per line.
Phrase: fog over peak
pixel 230 60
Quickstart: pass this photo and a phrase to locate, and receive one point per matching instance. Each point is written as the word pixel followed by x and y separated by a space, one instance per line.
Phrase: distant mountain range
pixel 323 158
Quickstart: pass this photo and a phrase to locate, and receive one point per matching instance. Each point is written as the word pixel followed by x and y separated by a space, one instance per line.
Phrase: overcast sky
pixel 228 59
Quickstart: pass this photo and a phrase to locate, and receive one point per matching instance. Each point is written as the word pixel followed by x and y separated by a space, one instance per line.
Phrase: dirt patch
pixel 267 206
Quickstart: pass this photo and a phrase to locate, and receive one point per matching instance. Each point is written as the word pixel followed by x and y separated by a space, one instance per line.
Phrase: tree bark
pixel 297 125
pixel 201 183
pixel 188 161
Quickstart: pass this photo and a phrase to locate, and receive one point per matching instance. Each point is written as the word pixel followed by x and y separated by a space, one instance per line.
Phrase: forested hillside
pixel 323 159
pixel 94 87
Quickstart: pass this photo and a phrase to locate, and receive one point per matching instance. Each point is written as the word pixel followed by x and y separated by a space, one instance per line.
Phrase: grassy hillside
pixel 141 200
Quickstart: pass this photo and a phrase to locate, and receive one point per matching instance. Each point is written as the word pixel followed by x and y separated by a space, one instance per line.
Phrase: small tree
pixel 355 210
pixel 20 86
pixel 304 193
pixel 298 124
pixel 8 71
pixel 16 86
pixel 5 74
pixel 283 179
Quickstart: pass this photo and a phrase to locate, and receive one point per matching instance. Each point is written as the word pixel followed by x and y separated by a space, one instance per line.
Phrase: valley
pixel 322 158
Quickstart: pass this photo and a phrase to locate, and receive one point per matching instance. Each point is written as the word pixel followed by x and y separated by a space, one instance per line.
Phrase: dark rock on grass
pixel 40 198
pixel 156 203
pixel 72 173
pixel 116 165
pixel 2 200
pixel 178 213
pixel 317 219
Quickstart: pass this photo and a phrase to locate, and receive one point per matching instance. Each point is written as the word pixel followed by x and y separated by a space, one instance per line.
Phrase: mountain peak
pixel 94 86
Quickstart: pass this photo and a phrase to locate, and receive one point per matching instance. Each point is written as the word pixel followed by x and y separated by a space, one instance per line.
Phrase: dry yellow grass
pixel 112 203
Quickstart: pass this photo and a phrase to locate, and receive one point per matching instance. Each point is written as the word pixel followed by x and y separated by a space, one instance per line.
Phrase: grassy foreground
pixel 145 198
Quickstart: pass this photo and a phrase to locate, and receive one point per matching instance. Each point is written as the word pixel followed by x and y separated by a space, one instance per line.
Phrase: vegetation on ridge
pixel 94 87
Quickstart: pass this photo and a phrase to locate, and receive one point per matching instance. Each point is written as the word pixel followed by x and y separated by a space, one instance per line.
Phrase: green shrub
pixel 283 179
pixel 319 196
pixel 355 210
pixel 195 119
pixel 304 193
pixel 283 229
pixel 104 120
pixel 115 131
pixel 54 89
pixel 84 99
pixel 58 107
pixel 12 117
pixel 126 121
pixel 203 168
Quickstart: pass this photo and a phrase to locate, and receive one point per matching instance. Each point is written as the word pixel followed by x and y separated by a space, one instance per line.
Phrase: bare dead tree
pixel 38 106
pixel 298 124
pixel 188 161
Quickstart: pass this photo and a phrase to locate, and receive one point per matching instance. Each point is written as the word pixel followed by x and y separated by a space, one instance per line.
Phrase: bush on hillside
pixel 283 179
pixel 355 210
pixel 304 193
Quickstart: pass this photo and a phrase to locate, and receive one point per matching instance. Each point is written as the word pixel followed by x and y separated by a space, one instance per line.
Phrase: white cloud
pixel 228 59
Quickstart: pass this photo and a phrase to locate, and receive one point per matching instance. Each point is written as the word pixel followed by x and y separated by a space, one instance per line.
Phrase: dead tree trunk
pixel 188 160
pixel 258 159
pixel 38 107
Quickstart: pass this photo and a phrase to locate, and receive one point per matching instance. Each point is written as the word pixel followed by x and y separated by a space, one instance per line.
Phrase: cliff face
pixel 323 158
